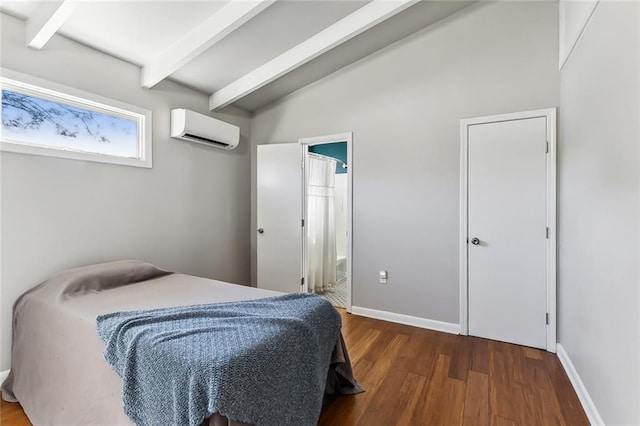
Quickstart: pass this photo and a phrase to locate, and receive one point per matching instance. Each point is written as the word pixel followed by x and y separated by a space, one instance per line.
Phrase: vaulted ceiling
pixel 243 52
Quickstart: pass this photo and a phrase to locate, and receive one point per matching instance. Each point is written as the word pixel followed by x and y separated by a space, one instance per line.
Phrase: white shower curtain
pixel 321 227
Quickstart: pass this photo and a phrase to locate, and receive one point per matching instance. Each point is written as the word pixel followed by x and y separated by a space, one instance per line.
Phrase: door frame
pixel 550 115
pixel 318 140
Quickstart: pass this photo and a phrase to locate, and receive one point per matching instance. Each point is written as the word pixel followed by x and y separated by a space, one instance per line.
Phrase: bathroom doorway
pixel 327 197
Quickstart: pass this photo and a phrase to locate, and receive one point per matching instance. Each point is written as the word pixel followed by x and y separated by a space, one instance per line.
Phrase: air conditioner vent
pixel 195 127
pixel 196 138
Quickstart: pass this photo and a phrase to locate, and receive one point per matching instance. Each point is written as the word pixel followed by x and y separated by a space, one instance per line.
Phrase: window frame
pixel 32 86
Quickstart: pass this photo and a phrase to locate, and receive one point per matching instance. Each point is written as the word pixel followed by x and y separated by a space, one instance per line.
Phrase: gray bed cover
pixel 58 372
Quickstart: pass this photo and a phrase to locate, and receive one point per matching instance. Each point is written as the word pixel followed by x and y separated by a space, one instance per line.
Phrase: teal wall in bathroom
pixel 337 150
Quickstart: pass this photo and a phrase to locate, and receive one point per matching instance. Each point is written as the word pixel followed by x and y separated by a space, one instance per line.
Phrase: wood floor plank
pixel 11 414
pixel 423 363
pixel 532 353
pixel 386 382
pixel 353 330
pixel 453 404
pixel 407 399
pixel 572 412
pixel 520 366
pixel 461 358
pixel 476 400
pixel 418 377
pixel 506 396
pixel 501 421
pixel 363 344
pixel 430 404
pixel 480 355
pixel 375 349
pixel 542 398
pixel 548 412
pixel 383 400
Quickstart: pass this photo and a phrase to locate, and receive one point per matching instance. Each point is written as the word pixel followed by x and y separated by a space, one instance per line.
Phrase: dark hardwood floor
pixel 414 376
pixel 421 377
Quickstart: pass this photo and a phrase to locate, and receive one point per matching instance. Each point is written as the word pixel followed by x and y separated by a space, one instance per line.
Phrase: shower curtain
pixel 321 228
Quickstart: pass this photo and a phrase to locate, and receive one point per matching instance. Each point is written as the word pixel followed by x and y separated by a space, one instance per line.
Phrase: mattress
pixel 58 371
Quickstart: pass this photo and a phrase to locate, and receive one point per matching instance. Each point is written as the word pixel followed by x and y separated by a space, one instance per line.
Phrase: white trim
pixel 350 169
pixel 47 89
pixel 583 395
pixel 334 35
pixel 564 52
pixel 338 137
pixel 550 115
pixel 553 230
pixel 445 327
pixel 48 18
pixel 317 140
pixel 464 237
pixel 215 28
pixel 3 375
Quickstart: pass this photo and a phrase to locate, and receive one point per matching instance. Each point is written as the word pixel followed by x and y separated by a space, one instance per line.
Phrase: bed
pixel 59 373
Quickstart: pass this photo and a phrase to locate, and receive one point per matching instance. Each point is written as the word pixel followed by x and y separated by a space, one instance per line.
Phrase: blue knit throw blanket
pixel 262 362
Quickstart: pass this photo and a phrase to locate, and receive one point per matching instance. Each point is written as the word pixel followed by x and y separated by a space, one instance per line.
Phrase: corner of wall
pixel 572 25
pixel 583 395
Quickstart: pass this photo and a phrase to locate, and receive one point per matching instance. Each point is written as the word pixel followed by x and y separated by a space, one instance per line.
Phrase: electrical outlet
pixel 383 277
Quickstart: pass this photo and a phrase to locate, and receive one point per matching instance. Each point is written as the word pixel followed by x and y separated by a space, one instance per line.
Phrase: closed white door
pixel 279 217
pixel 507 229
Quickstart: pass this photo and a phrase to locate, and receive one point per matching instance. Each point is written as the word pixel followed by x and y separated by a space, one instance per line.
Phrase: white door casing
pixel 279 217
pixel 507 280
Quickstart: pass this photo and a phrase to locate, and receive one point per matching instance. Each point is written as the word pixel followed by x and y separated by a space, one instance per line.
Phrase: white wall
pixel 190 213
pixel 599 211
pixel 404 104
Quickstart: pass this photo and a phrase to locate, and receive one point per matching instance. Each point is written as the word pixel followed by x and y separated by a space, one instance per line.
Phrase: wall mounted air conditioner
pixel 194 127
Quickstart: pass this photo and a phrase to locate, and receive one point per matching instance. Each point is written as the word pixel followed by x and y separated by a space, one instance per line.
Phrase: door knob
pixel 260 231
pixel 475 241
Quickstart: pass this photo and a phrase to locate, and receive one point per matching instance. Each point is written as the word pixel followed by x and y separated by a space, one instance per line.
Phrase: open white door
pixel 279 217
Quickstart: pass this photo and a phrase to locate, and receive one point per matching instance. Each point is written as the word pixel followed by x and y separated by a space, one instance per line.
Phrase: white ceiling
pixel 136 31
pixel 141 32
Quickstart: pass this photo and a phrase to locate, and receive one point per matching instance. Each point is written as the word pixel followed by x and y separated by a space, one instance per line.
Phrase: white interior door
pixel 279 217
pixel 507 230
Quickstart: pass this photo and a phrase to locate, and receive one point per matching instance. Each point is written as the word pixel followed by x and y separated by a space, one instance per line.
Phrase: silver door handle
pixel 260 231
pixel 475 241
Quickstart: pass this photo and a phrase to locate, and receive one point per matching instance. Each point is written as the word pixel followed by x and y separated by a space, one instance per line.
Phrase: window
pixel 44 118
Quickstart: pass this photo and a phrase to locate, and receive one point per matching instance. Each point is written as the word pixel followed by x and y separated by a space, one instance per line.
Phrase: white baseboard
pixel 3 375
pixel 446 327
pixel 583 395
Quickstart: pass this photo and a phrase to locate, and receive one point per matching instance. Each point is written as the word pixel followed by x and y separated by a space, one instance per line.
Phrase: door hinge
pixel 302 222
pixel 302 281
pixel 547 232
pixel 547 318
pixel 547 151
